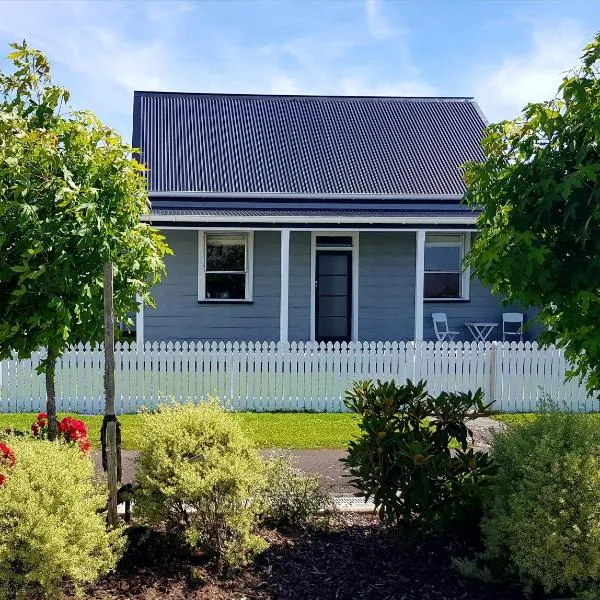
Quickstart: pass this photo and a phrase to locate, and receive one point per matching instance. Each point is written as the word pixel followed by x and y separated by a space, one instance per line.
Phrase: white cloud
pixel 110 49
pixel 360 86
pixel 504 89
pixel 85 38
pixel 377 24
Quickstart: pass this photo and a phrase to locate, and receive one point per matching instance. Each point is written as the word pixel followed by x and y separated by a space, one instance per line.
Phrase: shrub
pixel 292 498
pixel 542 516
pixel 50 530
pixel 200 476
pixel 402 457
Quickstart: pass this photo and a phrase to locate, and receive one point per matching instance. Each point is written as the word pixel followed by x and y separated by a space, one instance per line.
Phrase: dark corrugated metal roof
pixel 199 212
pixel 306 144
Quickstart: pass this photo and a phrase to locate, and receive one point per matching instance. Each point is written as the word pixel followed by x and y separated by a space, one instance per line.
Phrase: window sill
pixel 446 300
pixel 223 301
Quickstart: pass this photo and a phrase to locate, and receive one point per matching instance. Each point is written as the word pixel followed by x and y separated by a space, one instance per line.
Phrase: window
pixel 445 278
pixel 334 241
pixel 225 267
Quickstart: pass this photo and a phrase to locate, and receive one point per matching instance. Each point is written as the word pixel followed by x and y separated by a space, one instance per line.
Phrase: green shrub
pixel 201 476
pixel 292 498
pixel 542 517
pixel 402 458
pixel 50 530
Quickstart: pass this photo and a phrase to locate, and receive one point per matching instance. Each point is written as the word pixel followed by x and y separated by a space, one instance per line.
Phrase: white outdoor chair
pixel 514 321
pixel 440 326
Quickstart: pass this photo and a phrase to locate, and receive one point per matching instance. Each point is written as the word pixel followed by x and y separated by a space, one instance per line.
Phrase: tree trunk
pixel 51 394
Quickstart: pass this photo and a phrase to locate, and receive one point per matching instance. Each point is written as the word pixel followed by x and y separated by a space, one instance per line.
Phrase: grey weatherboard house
pixel 310 217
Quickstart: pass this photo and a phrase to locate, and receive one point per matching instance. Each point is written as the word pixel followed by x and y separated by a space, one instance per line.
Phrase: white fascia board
pixel 284 196
pixel 317 220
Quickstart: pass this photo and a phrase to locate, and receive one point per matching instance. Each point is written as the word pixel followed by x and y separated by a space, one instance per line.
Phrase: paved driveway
pixel 324 463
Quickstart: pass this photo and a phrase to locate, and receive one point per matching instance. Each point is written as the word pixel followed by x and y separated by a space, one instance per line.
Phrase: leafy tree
pixel 539 240
pixel 71 195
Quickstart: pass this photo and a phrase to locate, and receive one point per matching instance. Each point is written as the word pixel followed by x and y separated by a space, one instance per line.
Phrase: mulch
pixel 356 559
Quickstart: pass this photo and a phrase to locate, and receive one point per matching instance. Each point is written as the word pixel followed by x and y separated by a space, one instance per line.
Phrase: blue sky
pixel 503 53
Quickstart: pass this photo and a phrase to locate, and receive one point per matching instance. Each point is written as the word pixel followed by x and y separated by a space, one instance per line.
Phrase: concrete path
pixel 324 463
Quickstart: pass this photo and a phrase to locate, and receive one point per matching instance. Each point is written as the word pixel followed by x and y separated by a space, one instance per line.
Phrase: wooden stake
pixel 109 394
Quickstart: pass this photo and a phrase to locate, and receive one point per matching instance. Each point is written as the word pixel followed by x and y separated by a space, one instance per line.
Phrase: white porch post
pixel 419 284
pixel 139 324
pixel 285 285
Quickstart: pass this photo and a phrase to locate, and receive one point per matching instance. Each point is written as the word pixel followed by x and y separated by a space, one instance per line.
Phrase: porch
pixel 368 283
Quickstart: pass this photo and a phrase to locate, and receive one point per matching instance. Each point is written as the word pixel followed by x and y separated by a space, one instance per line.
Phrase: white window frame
pixel 249 266
pixel 464 244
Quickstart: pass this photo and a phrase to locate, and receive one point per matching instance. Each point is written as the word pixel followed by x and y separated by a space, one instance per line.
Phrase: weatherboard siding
pixel 386 286
pixel 300 284
pixel 179 315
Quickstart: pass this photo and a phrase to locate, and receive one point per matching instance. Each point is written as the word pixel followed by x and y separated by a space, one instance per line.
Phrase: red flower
pixel 72 428
pixel 35 429
pixel 84 445
pixel 7 456
pixel 2 479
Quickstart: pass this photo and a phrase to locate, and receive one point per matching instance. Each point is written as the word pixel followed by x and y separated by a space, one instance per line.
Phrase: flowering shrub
pixel 70 430
pixel 50 528
pixel 75 431
pixel 7 461
pixel 199 475
pixel 40 427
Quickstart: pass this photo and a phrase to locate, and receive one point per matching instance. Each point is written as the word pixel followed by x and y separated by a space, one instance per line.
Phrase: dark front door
pixel 333 296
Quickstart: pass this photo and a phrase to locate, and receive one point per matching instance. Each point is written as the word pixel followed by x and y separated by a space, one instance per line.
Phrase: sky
pixel 505 54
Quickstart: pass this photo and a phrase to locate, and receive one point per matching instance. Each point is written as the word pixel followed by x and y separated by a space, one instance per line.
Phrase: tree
pixel 71 197
pixel 539 232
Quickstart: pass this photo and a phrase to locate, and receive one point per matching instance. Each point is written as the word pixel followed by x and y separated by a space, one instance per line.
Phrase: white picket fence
pixel 297 376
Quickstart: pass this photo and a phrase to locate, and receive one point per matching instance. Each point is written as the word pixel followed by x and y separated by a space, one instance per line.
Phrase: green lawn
pixel 268 430
pixel 516 419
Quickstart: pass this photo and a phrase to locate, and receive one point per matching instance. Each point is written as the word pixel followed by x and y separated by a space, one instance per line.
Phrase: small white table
pixel 480 331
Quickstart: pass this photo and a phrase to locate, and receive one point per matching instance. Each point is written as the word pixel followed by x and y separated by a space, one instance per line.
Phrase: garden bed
pixel 357 559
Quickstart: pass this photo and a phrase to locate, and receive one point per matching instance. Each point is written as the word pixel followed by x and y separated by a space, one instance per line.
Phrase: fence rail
pixel 297 376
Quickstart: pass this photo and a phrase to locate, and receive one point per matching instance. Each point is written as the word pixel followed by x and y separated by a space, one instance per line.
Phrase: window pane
pixel 334 241
pixel 333 327
pixel 223 254
pixel 333 264
pixel 333 306
pixel 442 258
pixel 442 285
pixel 333 285
pixel 225 287
pixel 437 238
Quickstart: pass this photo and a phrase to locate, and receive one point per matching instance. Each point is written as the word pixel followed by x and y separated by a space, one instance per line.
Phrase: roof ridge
pixel 305 96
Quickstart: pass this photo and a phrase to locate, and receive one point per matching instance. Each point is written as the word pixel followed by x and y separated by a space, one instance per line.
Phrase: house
pixel 310 217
